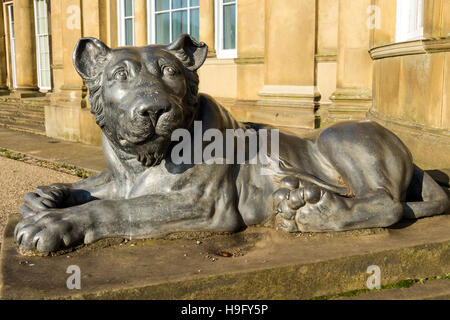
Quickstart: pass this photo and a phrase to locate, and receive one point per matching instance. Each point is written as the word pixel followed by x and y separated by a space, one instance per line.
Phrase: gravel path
pixel 18 178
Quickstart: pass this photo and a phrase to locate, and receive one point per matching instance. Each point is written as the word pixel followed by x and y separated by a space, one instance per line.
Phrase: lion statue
pixel 351 175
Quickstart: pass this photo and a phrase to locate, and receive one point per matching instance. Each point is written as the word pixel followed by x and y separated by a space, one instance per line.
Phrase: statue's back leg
pixel 375 166
pixel 368 157
pixel 424 197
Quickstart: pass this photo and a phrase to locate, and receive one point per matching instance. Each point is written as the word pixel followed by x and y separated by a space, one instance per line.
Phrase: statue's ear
pixel 190 52
pixel 89 54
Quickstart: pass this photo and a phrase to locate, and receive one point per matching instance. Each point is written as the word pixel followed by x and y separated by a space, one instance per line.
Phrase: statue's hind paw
pixel 292 196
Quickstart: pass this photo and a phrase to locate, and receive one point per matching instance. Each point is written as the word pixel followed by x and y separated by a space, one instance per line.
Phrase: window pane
pixel 176 4
pixel 179 23
pixel 41 18
pixel 11 19
pixel 46 80
pixel 43 28
pixel 162 5
pixel 229 27
pixel 39 27
pixel 128 8
pixel 228 1
pixel 129 32
pixel 42 8
pixel 43 44
pixel 194 3
pixel 162 28
pixel 194 24
pixel 45 61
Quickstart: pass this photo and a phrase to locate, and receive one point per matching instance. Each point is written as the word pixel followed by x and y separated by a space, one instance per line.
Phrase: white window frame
pixel 121 22
pixel 38 49
pixel 220 52
pixel 151 29
pixel 410 15
pixel 12 46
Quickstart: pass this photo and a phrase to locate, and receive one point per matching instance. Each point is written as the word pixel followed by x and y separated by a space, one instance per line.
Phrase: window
pixel 125 13
pixel 226 28
pixel 409 20
pixel 170 18
pixel 12 44
pixel 42 44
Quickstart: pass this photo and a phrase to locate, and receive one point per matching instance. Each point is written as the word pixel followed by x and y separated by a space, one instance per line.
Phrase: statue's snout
pixel 152 111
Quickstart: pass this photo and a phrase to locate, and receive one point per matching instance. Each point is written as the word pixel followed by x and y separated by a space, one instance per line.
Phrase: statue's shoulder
pixel 206 100
pixel 214 114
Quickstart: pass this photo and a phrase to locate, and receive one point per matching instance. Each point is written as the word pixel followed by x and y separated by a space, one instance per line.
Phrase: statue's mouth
pixel 126 140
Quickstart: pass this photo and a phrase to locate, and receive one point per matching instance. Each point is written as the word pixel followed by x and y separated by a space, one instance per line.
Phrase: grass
pixel 400 284
pixel 61 167
pixel 11 155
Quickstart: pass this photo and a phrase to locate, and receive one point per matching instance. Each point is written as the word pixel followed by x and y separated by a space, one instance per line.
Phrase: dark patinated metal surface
pixel 351 175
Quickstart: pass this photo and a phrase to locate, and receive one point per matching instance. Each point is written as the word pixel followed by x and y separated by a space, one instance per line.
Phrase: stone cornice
pixel 289 92
pixel 410 48
pixel 326 57
pixel 250 60
pixel 352 94
pixel 57 66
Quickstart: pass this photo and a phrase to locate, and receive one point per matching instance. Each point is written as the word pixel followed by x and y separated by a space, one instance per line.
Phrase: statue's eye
pixel 168 71
pixel 121 75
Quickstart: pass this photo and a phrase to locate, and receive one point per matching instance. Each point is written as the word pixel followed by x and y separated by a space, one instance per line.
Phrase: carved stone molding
pixel 250 60
pixel 410 48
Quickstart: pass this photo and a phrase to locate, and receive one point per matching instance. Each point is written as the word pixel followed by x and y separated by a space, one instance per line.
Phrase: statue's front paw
pixel 292 196
pixel 50 231
pixel 45 197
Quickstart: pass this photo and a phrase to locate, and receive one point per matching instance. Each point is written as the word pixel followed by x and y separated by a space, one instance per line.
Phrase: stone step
pixel 23 104
pixel 29 128
pixel 13 111
pixel 22 121
pixel 16 113
pixel 23 114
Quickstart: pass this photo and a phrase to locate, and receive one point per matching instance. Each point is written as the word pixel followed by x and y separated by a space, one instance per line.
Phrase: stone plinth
pixel 265 264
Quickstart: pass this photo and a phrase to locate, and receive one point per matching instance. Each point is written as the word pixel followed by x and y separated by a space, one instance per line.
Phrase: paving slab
pixel 41 147
pixel 258 263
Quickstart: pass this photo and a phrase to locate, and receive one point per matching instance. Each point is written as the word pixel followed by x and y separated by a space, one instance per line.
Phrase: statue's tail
pixel 425 197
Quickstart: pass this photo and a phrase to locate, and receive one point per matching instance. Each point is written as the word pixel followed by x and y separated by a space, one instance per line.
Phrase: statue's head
pixel 140 95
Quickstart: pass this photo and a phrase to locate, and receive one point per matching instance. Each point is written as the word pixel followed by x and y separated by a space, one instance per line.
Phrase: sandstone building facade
pixel 296 64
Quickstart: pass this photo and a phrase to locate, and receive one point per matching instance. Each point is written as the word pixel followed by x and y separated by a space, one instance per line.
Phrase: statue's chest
pixel 151 181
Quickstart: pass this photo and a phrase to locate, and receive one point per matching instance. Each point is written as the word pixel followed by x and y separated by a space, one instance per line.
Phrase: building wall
pixel 300 65
pixel 412 84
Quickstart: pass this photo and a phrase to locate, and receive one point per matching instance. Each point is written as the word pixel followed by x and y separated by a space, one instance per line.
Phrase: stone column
pixel 71 30
pixel 353 95
pixel 25 45
pixel 3 65
pixel 62 116
pixel 94 25
pixel 108 22
pixel 250 47
pixel 289 94
pixel 140 22
pixel 57 45
pixel 207 25
pixel 436 22
pixel 91 18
